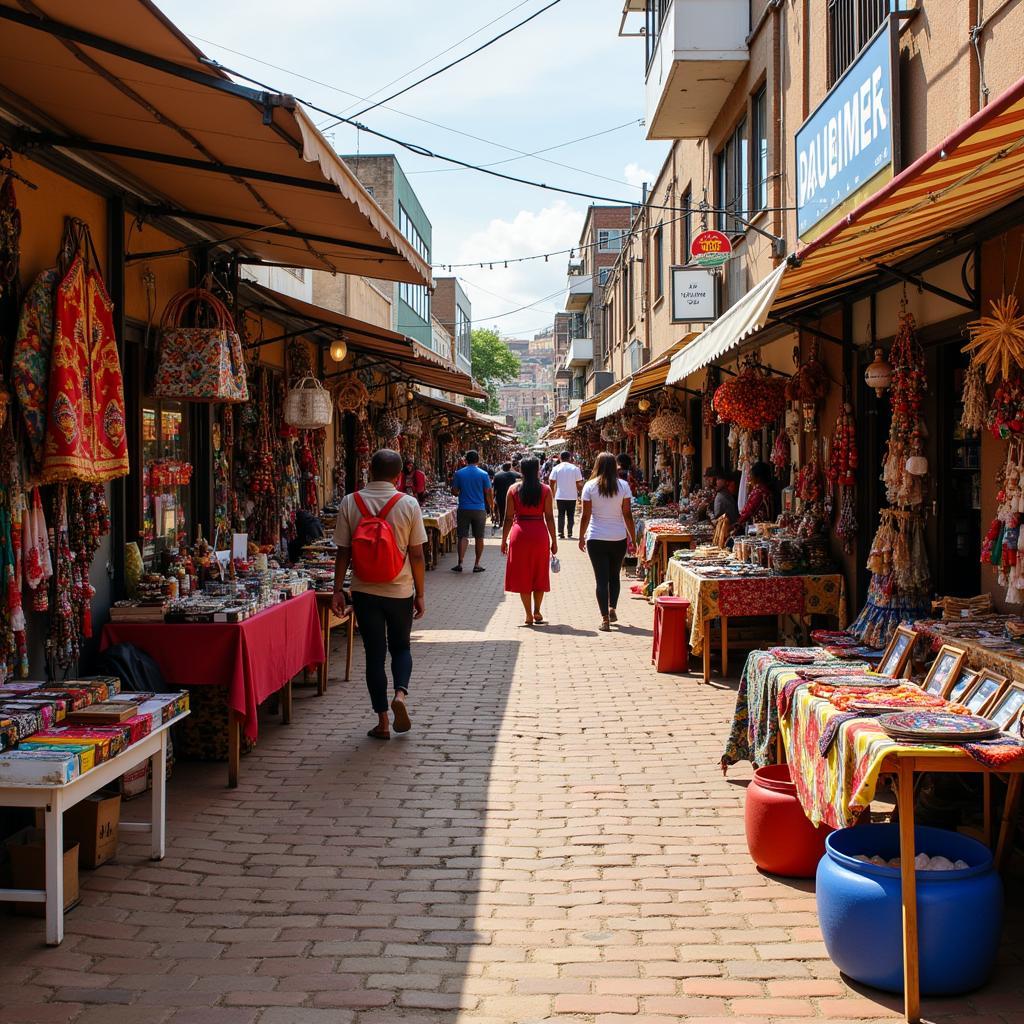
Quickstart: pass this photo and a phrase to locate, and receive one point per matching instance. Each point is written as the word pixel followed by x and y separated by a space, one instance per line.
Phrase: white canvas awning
pixel 739 322
pixel 615 402
pixel 573 418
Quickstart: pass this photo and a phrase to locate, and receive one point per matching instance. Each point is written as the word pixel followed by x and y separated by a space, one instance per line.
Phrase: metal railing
pixel 655 15
pixel 851 24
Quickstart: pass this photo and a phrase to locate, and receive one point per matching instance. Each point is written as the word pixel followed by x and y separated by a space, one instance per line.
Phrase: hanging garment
pixel 35 547
pixel 10 254
pixel 30 369
pixel 86 438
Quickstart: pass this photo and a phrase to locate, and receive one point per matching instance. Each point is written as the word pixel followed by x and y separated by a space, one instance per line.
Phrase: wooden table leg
pixel 1010 805
pixel 351 629
pixel 158 803
pixel 54 854
pixel 707 650
pixel 725 645
pixel 234 747
pixel 908 876
pixel 286 703
pixel 321 669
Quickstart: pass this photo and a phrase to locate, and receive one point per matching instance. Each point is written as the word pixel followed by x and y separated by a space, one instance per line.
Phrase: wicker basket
pixel 308 406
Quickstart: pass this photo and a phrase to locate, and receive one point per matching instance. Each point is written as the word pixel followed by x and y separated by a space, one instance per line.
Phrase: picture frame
pixel 960 685
pixel 1006 708
pixel 897 654
pixel 986 688
pixel 945 669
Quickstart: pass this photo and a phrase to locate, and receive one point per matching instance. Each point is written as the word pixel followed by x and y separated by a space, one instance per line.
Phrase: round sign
pixel 710 249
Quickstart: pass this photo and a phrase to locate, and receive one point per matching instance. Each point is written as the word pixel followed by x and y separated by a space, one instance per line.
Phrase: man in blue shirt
pixel 473 488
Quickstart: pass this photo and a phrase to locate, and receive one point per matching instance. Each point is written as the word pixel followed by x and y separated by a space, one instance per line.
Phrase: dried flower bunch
pixel 997 341
pixel 975 412
pixel 752 399
pixel 668 424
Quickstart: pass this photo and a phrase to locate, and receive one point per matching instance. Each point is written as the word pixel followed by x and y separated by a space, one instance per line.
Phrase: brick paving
pixel 552 843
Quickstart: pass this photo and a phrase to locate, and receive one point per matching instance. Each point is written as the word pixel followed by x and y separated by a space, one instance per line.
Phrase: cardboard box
pixel 93 824
pixel 136 782
pixel 26 850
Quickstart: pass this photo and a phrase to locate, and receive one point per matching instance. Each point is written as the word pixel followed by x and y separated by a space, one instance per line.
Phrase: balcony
pixel 696 52
pixel 581 353
pixel 580 292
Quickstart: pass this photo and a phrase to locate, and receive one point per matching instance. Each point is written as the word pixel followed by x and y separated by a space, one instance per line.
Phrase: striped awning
pixel 615 402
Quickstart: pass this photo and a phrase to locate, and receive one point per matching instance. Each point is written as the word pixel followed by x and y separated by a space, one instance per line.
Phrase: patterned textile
pixel 884 610
pixel 30 370
pixel 443 522
pixel 771 596
pixel 86 438
pixel 967 634
pixel 996 752
pixel 906 696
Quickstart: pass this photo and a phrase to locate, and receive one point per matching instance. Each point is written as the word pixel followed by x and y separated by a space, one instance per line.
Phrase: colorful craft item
pixel 752 400
pixel 166 473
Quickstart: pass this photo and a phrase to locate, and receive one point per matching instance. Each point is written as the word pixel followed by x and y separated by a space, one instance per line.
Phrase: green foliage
pixel 494 363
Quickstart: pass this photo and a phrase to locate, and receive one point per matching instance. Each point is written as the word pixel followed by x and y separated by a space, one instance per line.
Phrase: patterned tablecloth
pixel 765 595
pixel 443 522
pixel 972 634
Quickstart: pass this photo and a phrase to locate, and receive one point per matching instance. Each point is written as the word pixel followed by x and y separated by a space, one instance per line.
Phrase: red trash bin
pixel 670 651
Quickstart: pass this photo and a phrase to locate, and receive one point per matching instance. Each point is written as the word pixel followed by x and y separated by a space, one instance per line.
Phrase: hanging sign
pixel 849 146
pixel 710 249
pixel 694 294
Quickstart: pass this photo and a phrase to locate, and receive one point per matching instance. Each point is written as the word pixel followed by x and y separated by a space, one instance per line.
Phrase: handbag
pixel 308 406
pixel 199 364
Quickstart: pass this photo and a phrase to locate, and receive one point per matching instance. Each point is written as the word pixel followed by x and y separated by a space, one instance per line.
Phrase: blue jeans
pixel 385 624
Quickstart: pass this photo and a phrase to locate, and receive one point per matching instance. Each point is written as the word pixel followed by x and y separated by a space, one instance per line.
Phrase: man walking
pixel 380 530
pixel 472 486
pixel 567 482
pixel 502 482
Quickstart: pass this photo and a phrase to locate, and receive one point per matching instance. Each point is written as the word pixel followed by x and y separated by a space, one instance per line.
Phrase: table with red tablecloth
pixel 253 659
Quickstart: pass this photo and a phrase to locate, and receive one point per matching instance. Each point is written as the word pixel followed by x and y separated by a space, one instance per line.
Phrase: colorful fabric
pixel 85 432
pixel 30 368
pixel 997 752
pixel 906 696
pixel 769 596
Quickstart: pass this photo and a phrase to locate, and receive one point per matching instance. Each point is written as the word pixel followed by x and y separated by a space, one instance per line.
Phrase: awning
pixel 467 415
pixel 118 86
pixel 573 418
pixel 615 402
pixel 738 322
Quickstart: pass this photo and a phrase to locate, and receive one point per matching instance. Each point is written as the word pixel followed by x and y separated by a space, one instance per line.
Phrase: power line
pixel 459 60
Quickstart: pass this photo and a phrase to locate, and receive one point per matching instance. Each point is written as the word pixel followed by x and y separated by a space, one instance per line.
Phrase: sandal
pixel 537 618
pixel 403 723
pixel 377 733
pixel 457 568
pixel 605 626
pixel 612 617
pixel 528 622
pixel 479 568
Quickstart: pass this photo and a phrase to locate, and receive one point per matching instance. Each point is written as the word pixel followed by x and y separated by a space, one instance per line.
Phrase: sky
pixel 563 76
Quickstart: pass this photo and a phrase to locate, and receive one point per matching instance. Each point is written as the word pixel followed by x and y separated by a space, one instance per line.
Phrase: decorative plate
pixel 937 725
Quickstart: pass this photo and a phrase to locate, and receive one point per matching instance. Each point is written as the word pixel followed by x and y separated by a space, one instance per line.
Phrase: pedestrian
pixel 502 482
pixel 725 500
pixel 379 531
pixel 529 540
pixel 413 481
pixel 758 506
pixel 308 528
pixel 607 532
pixel 566 481
pixel 472 486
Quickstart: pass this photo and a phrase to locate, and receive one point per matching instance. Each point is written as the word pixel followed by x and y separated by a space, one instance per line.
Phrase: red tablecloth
pixel 253 659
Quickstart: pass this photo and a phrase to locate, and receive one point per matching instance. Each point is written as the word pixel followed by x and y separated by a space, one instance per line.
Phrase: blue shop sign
pixel 852 136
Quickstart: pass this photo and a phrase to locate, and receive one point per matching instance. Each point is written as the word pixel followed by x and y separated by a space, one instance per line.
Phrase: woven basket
pixel 307 406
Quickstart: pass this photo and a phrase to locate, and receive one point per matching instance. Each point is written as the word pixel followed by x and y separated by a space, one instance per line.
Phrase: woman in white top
pixel 606 531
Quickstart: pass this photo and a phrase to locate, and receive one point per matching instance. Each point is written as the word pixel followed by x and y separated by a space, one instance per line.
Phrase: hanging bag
pixel 376 557
pixel 307 406
pixel 200 364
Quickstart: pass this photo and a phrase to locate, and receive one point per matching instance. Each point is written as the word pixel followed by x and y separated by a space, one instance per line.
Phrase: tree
pixel 494 363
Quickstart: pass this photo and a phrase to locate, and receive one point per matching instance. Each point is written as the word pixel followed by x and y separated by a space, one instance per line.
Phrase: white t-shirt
pixel 563 480
pixel 606 521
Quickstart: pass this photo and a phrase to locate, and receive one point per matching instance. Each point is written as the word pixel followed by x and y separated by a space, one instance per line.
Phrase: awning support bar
pixel 278 337
pixel 927 286
pixel 814 332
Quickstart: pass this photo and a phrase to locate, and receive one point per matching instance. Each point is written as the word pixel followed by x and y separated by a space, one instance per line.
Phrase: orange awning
pixel 119 87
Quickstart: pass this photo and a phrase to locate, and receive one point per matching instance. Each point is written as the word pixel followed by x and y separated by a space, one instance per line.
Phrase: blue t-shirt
pixel 471 481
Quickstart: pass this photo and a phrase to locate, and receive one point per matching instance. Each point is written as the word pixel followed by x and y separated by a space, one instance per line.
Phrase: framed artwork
pixel 1005 709
pixel 957 688
pixel 897 654
pixel 945 669
pixel 987 686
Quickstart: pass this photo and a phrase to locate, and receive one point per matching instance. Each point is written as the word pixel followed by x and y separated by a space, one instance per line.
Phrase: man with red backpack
pixel 379 532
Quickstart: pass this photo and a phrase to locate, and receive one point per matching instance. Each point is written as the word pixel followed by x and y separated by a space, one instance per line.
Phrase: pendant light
pixel 879 374
pixel 339 349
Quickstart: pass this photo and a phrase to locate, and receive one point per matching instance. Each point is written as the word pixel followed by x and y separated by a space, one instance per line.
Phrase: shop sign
pixel 694 296
pixel 852 139
pixel 710 249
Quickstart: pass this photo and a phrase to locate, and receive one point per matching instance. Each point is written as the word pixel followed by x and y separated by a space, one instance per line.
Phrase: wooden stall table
pixel 983 639
pixel 328 621
pixel 837 787
pixel 254 659
pixel 713 598
pixel 440 529
pixel 55 800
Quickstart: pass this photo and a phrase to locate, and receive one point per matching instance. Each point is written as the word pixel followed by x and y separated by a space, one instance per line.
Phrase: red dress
pixel 529 547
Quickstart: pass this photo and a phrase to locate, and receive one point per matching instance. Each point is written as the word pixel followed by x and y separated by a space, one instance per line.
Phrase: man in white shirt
pixel 566 481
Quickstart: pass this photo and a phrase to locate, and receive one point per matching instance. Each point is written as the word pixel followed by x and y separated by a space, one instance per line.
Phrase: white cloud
pixel 637 175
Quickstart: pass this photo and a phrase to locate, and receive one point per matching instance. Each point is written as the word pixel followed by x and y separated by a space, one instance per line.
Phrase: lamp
pixel 339 349
pixel 879 374
pixel 643 405
pixel 410 395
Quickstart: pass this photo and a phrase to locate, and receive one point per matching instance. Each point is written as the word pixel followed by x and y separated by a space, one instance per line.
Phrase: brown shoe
pixel 403 723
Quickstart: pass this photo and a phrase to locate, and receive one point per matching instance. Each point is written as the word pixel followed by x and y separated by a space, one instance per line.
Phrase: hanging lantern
pixel 339 349
pixel 410 395
pixel 879 374
pixel 444 421
pixel 643 405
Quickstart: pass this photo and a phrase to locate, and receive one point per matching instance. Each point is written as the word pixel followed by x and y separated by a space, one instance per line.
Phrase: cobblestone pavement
pixel 552 843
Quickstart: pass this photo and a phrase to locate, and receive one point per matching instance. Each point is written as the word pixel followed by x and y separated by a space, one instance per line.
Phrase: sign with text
pixel 710 249
pixel 852 138
pixel 694 296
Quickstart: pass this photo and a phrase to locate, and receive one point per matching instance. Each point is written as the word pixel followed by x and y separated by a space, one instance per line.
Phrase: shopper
pixel 472 486
pixel 725 500
pixel 758 506
pixel 377 529
pixel 566 481
pixel 528 540
pixel 502 482
pixel 413 481
pixel 607 532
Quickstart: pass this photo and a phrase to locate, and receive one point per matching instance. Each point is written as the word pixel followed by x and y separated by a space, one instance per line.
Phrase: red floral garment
pixel 758 508
pixel 778 595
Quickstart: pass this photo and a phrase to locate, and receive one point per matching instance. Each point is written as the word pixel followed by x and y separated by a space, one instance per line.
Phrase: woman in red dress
pixel 528 539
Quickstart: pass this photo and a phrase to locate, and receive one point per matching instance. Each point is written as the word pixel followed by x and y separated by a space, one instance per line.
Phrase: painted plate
pixel 937 725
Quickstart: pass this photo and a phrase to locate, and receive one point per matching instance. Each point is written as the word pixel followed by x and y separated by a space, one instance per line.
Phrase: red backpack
pixel 376 557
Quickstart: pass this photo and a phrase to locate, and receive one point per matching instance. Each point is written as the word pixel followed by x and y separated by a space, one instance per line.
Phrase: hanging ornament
pixel 975 400
pixel 878 375
pixel 997 341
pixel 808 387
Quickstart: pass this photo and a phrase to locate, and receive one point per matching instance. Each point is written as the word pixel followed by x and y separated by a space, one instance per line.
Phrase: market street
pixel 552 842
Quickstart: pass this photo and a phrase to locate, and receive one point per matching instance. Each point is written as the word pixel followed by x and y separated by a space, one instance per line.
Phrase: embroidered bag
pixel 376 557
pixel 200 364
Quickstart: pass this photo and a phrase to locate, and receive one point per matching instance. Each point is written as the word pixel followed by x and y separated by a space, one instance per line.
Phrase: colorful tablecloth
pixel 253 659
pixel 972 634
pixel 767 595
pixel 443 522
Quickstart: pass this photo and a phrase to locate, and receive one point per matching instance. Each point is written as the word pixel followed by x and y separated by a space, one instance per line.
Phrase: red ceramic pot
pixel 780 837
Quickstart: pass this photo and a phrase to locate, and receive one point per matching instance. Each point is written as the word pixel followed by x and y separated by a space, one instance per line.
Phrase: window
pixel 602 276
pixel 415 296
pixel 731 170
pixel 629 292
pixel 759 139
pixel 851 24
pixel 165 498
pixel 609 239
pixel 659 263
pixel 463 334
pixel 636 356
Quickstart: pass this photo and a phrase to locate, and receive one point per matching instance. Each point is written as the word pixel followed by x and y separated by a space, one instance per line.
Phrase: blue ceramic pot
pixel 960 913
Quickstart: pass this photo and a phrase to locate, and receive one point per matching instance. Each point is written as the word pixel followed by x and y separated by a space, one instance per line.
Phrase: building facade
pixel 455 312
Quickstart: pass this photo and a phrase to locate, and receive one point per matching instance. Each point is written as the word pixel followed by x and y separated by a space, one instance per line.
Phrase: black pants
pixel 385 624
pixel 566 514
pixel 500 498
pixel 606 557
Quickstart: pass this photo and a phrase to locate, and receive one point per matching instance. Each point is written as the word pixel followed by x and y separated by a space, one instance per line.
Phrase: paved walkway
pixel 552 843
